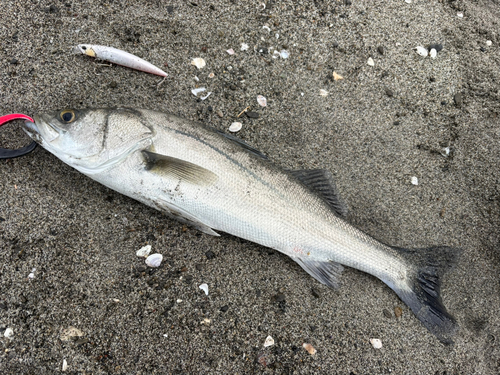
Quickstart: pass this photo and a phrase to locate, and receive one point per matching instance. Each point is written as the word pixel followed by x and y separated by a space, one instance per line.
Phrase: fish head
pixel 90 140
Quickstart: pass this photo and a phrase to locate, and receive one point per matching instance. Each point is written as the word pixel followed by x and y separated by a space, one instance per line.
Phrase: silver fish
pixel 117 56
pixel 216 182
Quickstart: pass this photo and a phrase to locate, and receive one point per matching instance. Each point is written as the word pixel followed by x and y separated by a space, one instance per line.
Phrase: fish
pixel 117 56
pixel 218 183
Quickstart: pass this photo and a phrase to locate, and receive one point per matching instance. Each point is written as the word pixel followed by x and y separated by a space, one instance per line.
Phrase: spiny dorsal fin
pixel 242 144
pixel 321 182
pixel 327 273
pixel 177 168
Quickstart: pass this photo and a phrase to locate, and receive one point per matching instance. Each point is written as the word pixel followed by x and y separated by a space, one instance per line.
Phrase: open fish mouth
pixel 31 129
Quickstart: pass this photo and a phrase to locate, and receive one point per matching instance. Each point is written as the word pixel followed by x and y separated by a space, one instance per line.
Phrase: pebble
pixel 219 113
pixel 244 46
pixel 489 43
pixel 387 313
pixel 370 62
pixel 458 99
pixel 224 308
pixel 438 47
pixel 252 114
pixel 235 127
pixel 14 61
pixel 280 297
pixel 381 50
pixel 70 333
pixel 315 293
pixel 9 333
pixel 210 254
pixel 337 77
pixel 310 349
pixel 323 92
pixel 398 311
pixel 376 343
pixel 230 51
pixel 389 93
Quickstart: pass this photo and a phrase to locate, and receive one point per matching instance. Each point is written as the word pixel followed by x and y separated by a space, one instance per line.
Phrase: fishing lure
pixel 117 56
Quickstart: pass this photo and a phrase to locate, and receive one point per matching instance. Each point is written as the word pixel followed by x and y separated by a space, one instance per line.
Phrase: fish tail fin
pixel 422 290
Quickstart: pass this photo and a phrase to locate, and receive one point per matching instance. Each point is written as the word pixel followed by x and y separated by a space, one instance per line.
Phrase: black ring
pixel 6 153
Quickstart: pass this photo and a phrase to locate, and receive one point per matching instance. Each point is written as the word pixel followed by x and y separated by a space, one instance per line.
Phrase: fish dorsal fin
pixel 327 272
pixel 321 182
pixel 243 144
pixel 177 168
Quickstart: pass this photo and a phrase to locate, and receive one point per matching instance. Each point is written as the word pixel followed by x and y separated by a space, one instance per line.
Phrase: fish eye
pixel 68 116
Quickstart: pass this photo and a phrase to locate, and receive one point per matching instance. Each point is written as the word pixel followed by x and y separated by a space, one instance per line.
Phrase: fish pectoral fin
pixel 179 169
pixel 184 217
pixel 321 182
pixel 326 272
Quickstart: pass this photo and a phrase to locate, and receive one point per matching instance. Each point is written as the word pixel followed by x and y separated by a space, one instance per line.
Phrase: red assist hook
pixel 7 153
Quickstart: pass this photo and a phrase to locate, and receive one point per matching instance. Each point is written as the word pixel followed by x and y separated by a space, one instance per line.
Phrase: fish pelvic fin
pixel 423 290
pixel 326 272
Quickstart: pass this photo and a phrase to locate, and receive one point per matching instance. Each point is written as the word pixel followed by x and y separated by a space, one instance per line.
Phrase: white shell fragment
pixel 204 287
pixel 235 127
pixel 244 46
pixel 276 54
pixel 284 54
pixel 376 343
pixel 206 321
pixel 408 1
pixel 489 43
pixel 310 349
pixel 143 252
pixel 206 96
pixel 460 15
pixel 32 274
pixel 370 62
pixel 414 180
pixel 230 51
pixel 269 341
pixel 179 300
pixel 197 91
pixel 323 92
pixel 198 62
pixel 266 28
pixel 211 75
pixel 433 53
pixel 261 100
pixel 446 152
pixel 422 51
pixel 64 365
pixel 154 260
pixel 9 333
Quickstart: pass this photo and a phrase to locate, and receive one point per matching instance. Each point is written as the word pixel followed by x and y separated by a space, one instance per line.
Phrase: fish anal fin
pixel 179 169
pixel 326 272
pixel 321 182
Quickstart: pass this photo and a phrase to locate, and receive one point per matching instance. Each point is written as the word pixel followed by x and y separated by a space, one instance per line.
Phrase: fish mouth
pixel 31 129
pixel 40 131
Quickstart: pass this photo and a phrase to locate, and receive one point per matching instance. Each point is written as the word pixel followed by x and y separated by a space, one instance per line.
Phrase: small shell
pixel 32 274
pixel 489 43
pixel 204 287
pixel 376 343
pixel 422 51
pixel 9 333
pixel 64 365
pixel 269 342
pixel 244 46
pixel 414 180
pixel 230 51
pixel 323 92
pixel 408 1
pixel 337 77
pixel 179 300
pixel 198 62
pixel 69 333
pixel 370 62
pixel 261 100
pixel 211 75
pixel 197 91
pixel 235 127
pixel 460 15
pixel 310 349
pixel 206 96
pixel 154 260
pixel 206 321
pixel 143 252
pixel 284 54
pixel 433 53
pixel 276 54
pixel 266 28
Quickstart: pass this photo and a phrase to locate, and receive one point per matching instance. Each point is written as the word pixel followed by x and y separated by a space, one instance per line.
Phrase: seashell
pixel 323 92
pixel 376 343
pixel 489 43
pixel 9 333
pixel 269 342
pixel 204 287
pixel 244 46
pixel 266 28
pixel 197 91
pixel 69 333
pixel 154 260
pixel 198 62
pixel 64 365
pixel 310 349
pixel 276 54
pixel 143 252
pixel 206 96
pixel 230 51
pixel 337 77
pixel 421 51
pixel 433 53
pixel 370 62
pixel 261 100
pixel 211 75
pixel 235 127
pixel 414 180
pixel 284 54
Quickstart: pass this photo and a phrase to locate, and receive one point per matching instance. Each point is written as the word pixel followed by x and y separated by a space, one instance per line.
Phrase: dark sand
pixel 82 238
